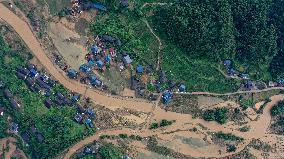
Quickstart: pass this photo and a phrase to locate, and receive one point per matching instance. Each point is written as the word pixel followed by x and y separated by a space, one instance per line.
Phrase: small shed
pixel 140 69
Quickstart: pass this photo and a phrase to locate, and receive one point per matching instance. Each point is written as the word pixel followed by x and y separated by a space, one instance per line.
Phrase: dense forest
pixel 250 32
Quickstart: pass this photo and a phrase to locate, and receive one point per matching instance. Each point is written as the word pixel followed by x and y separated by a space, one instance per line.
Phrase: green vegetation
pixel 3 127
pixel 127 26
pixel 244 129
pixel 277 109
pixel 56 6
pixel 238 30
pixel 55 124
pixel 109 151
pixel 135 137
pixel 163 123
pixel 123 136
pixel 219 115
pixel 228 136
pixel 231 148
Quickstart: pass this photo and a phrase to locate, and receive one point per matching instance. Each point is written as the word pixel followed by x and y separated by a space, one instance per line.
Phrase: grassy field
pixel 130 28
pixel 56 124
pixel 54 6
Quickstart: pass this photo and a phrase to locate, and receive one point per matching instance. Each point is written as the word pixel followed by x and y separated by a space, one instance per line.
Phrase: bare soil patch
pixel 69 44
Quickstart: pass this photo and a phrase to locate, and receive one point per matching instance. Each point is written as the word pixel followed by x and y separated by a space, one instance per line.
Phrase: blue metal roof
pixel 72 73
pixel 85 68
pixel 182 88
pixel 167 96
pixel 91 62
pixel 93 78
pixel 95 49
pixel 100 63
pixel 140 69
pixel 99 7
pixel 33 73
pixel 76 97
pixel 227 62
pixel 127 60
pixel 108 58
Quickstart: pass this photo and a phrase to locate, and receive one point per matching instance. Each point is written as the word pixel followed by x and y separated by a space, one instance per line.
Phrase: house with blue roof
pixel 182 88
pixel 89 123
pixel 78 118
pixel 91 62
pixel 127 60
pixel 107 58
pixel 14 127
pixel 231 72
pixel 99 7
pixel 71 73
pixel 227 63
pixel 98 83
pixel 85 68
pixel 33 73
pixel 90 112
pixel 140 69
pixel 76 97
pixel 94 49
pixel 244 76
pixel 93 79
pixel 100 64
pixel 281 81
pixel 167 97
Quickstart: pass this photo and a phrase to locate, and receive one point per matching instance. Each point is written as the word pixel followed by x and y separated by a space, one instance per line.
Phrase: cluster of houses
pixel 85 116
pixel 42 83
pixel 33 132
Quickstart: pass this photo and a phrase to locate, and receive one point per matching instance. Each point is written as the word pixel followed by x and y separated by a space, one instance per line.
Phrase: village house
pixel 140 69
pixel 14 104
pixel 85 68
pixel 78 118
pixel 126 60
pixel 71 73
pixel 48 103
pixel 21 76
pixel 182 88
pixel 8 93
pixel 14 128
pixel 166 97
pixel 76 97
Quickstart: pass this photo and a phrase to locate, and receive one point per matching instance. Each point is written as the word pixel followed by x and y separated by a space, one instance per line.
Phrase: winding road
pixel 258 128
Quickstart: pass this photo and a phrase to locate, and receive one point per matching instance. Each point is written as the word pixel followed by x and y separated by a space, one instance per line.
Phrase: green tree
pixel 109 151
